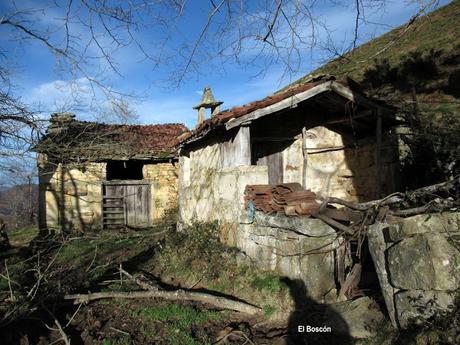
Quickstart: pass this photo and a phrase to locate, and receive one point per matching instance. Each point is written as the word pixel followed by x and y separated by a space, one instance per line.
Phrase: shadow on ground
pixel 308 325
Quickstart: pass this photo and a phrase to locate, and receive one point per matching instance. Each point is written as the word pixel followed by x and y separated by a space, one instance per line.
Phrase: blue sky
pixel 38 80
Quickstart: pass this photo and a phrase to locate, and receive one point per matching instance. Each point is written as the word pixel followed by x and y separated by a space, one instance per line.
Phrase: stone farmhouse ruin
pixel 327 137
pixel 324 135
pixel 94 175
pixel 322 138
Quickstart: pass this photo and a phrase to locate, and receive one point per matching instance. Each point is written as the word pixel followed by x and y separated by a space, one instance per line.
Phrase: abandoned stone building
pixel 323 134
pixel 94 175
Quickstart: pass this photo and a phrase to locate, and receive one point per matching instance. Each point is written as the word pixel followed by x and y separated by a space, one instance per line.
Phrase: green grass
pixel 124 340
pixel 196 259
pixel 179 321
pixel 23 236
pixel 438 30
pixel 182 316
pixel 268 282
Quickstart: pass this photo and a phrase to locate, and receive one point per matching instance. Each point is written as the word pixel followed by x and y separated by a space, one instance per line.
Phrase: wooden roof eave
pixel 293 101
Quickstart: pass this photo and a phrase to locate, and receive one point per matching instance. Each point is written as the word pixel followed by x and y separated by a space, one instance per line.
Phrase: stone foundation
pixel 297 247
pixel 418 265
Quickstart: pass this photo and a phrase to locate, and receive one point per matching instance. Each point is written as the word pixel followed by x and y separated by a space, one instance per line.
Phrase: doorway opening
pixel 124 170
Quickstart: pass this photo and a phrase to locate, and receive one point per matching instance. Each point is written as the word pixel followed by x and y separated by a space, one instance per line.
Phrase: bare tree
pixel 86 37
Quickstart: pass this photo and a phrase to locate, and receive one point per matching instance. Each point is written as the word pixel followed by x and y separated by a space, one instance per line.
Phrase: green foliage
pixel 268 281
pixel 414 70
pixel 269 310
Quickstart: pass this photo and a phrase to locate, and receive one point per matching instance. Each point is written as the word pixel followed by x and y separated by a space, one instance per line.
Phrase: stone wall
pixel 336 166
pixel 418 265
pixel 209 193
pixel 163 177
pixel 72 197
pixel 281 244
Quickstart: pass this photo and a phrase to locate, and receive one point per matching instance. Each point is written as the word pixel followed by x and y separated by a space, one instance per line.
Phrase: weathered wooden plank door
pixel 268 154
pixel 137 201
pixel 126 204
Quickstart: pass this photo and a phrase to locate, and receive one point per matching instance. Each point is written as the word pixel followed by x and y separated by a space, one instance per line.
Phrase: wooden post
pixel 378 152
pixel 305 157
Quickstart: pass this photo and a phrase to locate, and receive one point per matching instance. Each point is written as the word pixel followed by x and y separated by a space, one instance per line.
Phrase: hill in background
pixel 19 205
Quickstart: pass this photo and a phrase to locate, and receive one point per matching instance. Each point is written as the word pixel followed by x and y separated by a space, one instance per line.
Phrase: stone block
pixel 426 223
pixel 417 306
pixel 360 318
pixel 281 251
pixel 75 188
pixel 424 262
pixel 307 226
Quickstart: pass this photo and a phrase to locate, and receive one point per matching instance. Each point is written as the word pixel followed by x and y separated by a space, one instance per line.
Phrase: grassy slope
pixel 90 263
pixel 438 30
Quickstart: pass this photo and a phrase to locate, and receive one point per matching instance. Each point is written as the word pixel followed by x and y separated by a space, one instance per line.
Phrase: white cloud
pixel 61 95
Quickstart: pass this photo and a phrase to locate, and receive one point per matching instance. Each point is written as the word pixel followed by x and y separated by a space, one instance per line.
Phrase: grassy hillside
pixel 416 68
pixel 438 30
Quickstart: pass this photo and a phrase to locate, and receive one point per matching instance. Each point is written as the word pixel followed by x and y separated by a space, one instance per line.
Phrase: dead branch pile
pixel 291 200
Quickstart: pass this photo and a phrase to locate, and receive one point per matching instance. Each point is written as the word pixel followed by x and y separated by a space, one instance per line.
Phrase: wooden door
pixel 126 204
pixel 269 154
pixel 137 201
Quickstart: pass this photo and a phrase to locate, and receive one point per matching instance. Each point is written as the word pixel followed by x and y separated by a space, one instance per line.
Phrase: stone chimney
pixel 60 121
pixel 207 101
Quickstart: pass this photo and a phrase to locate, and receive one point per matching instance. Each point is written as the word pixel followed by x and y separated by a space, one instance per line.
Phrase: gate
pixel 126 203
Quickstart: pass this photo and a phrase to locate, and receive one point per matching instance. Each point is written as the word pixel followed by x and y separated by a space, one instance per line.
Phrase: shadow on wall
pixel 308 323
pixel 62 201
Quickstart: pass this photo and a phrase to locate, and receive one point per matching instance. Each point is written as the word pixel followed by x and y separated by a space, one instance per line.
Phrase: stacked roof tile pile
pixel 289 198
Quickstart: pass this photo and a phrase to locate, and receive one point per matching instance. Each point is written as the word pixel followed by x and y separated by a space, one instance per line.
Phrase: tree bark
pixel 179 295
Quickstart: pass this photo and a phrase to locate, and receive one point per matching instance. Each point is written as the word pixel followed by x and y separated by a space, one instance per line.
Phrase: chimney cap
pixel 208 100
pixel 62 117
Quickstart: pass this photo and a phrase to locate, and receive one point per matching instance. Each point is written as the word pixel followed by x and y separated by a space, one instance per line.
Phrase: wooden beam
pixel 352 96
pixel 237 152
pixel 273 139
pixel 290 102
pixel 348 118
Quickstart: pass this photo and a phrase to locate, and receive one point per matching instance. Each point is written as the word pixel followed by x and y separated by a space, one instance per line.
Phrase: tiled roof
pixel 236 112
pixel 82 140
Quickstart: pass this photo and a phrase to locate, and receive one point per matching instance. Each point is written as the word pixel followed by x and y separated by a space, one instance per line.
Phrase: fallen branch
pixel 179 295
pixel 143 284
pixel 59 328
